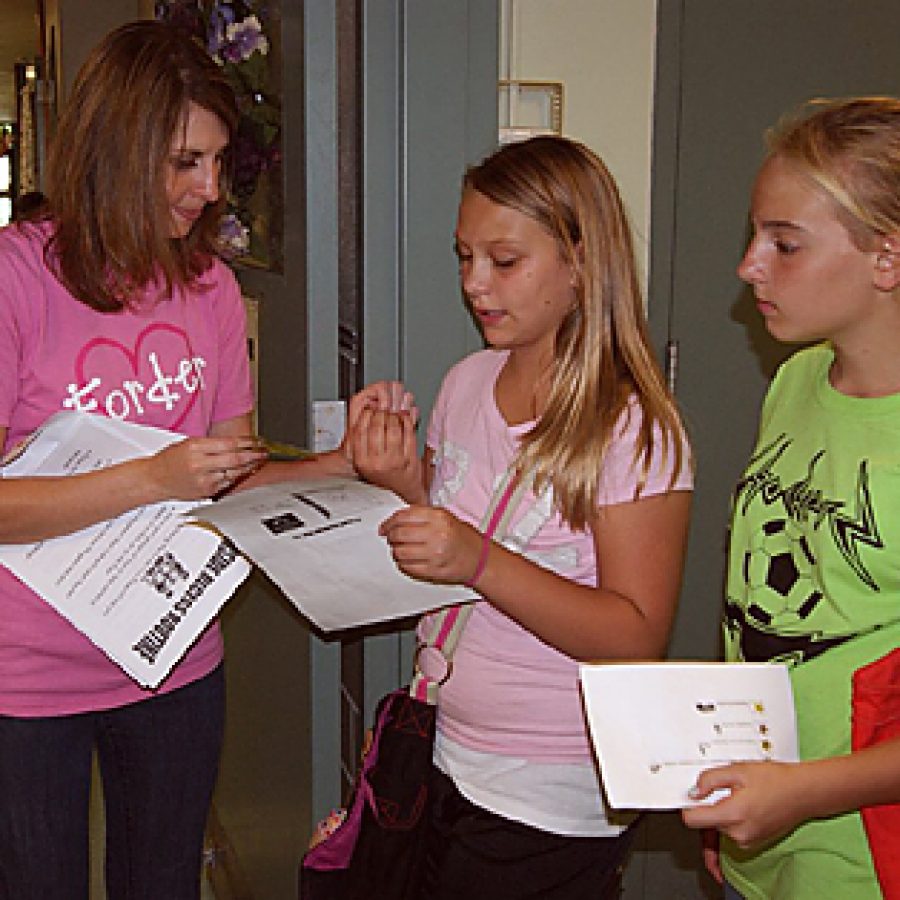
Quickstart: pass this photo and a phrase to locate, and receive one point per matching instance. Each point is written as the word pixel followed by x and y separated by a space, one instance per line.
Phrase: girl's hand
pixel 383 445
pixel 197 468
pixel 767 799
pixel 387 396
pixel 431 544
pixel 384 396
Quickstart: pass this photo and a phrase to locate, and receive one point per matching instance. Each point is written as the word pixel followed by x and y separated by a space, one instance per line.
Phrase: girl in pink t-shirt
pixel 590 568
pixel 113 302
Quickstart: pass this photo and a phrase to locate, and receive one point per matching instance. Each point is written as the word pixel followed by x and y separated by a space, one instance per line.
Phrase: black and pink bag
pixel 378 848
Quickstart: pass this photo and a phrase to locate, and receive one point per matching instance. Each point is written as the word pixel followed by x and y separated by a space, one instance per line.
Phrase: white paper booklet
pixel 141 586
pixel 319 542
pixel 657 726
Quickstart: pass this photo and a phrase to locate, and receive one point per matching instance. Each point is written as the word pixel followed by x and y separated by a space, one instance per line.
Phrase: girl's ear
pixel 887 263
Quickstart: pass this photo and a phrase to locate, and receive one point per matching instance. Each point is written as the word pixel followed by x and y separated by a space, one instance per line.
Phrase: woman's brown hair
pixel 106 178
pixel 603 354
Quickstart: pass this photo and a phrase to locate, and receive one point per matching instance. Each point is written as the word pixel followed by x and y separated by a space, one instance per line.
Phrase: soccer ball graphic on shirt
pixel 780 581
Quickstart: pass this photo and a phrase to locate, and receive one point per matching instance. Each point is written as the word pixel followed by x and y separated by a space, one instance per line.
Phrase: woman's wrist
pixel 138 484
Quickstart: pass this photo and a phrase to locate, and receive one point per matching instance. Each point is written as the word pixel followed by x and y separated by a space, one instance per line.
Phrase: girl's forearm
pixel 840 784
pixel 583 622
pixel 639 551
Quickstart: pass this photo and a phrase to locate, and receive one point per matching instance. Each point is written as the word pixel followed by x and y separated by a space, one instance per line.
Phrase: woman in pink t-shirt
pixel 113 302
pixel 590 567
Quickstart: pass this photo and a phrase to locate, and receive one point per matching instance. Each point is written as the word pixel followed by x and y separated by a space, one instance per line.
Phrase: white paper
pixel 319 542
pixel 141 586
pixel 329 424
pixel 657 726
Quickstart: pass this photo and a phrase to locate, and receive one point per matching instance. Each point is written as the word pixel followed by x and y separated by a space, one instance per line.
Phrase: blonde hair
pixel 106 178
pixel 851 149
pixel 603 354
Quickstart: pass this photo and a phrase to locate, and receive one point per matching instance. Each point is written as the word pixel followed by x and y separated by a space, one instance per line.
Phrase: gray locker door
pixel 726 70
pixel 429 108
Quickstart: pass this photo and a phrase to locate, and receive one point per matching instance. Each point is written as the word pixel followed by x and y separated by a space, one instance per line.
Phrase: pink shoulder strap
pixel 447 624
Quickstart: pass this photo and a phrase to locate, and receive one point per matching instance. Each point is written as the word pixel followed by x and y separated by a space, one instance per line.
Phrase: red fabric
pixel 876 718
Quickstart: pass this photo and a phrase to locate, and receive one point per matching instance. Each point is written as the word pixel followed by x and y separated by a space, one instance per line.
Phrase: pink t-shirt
pixel 510 693
pixel 180 364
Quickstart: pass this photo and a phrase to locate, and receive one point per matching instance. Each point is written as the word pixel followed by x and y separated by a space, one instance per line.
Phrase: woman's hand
pixel 431 544
pixel 766 799
pixel 197 468
pixel 38 508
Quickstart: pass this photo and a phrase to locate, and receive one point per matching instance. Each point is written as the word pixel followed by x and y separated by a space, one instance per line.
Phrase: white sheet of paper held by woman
pixel 656 726
pixel 141 586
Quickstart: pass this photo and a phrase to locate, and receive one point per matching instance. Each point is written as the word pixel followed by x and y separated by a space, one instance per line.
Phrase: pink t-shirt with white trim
pixel 510 693
pixel 179 364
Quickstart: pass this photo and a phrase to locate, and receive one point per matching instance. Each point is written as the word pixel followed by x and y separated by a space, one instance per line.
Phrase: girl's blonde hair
pixel 851 149
pixel 603 354
pixel 106 178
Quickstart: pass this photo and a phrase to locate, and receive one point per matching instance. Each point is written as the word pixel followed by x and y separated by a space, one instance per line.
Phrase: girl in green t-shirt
pixel 819 497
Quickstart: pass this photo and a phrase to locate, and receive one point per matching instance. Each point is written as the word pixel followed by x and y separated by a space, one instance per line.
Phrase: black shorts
pixel 473 853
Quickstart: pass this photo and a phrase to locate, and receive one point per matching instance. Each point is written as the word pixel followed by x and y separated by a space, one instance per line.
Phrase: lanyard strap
pixel 447 624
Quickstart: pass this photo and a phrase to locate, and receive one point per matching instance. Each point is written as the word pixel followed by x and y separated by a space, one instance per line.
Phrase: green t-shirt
pixel 814 567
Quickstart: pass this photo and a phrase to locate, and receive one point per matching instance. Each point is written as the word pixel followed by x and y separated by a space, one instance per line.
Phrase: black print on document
pixel 285 522
pixel 164 573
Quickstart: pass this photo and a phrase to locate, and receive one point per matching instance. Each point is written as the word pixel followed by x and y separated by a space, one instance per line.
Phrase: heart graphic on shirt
pixel 127 377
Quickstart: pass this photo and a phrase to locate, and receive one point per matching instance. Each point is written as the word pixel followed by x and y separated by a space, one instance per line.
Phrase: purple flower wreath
pixel 233 32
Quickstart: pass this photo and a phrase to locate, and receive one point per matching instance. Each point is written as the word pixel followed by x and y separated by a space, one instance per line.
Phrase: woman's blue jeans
pixel 158 762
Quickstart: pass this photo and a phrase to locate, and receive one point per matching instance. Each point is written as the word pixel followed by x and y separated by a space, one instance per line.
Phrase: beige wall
pixel 603 52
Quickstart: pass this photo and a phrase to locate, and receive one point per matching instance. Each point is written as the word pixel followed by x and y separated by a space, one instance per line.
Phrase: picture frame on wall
pixel 529 108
